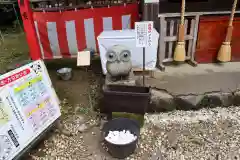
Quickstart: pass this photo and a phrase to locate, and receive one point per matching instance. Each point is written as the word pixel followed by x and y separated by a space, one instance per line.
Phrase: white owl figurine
pixel 118 61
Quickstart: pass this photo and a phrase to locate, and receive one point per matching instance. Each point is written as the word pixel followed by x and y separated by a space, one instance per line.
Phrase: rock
pixel 236 98
pixel 66 132
pixel 82 128
pixel 211 100
pixel 157 156
pixel 102 122
pixel 161 101
pixel 62 129
pixel 227 99
pixel 188 102
pixel 172 138
pixel 79 119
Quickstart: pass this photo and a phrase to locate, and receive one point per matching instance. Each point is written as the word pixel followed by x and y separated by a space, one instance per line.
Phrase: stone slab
pixel 187 80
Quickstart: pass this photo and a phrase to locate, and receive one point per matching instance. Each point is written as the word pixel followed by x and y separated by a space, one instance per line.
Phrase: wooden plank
pixel 145 12
pixel 170 49
pixel 194 13
pixel 152 12
pixel 190 43
pixel 186 26
pixel 138 69
pixel 161 53
pixel 195 36
pixel 140 72
pixel 171 59
pixel 156 20
pixel 155 10
pixel 174 38
pixel 162 43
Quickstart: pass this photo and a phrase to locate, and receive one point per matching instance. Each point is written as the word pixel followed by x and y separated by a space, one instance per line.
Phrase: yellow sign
pixel 27 84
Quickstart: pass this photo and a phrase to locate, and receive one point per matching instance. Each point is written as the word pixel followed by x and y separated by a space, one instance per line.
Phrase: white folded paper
pixel 83 58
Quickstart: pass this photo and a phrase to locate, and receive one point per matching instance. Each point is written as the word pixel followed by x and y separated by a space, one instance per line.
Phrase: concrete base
pixel 185 87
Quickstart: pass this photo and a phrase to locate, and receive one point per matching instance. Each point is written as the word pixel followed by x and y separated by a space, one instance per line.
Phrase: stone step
pixel 196 84
pixel 206 78
pixel 186 87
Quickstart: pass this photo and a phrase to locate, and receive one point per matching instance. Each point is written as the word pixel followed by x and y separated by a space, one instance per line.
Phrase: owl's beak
pixel 118 60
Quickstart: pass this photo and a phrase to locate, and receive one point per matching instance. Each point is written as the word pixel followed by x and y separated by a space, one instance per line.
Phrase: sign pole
pixel 143 67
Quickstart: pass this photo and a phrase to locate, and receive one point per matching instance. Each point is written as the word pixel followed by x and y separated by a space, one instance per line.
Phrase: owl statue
pixel 118 61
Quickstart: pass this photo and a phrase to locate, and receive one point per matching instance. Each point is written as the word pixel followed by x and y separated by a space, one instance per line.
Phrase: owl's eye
pixel 125 55
pixel 111 56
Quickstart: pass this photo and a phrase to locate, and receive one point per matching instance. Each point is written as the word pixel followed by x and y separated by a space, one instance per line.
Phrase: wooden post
pixel 194 42
pixel 29 27
pixel 170 49
pixel 161 50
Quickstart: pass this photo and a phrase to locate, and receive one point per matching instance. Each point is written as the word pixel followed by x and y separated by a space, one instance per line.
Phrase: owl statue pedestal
pixel 117 78
pixel 125 80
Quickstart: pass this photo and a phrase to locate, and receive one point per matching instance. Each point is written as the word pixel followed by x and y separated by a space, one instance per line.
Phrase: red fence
pixel 63 34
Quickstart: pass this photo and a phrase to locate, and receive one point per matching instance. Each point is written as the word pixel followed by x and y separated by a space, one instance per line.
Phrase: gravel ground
pixel 207 134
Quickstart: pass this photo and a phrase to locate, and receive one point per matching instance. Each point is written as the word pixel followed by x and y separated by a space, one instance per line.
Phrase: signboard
pixel 144 33
pixel 28 105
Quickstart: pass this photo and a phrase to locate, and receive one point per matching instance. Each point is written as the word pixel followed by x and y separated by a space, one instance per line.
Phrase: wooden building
pixel 206 23
pixel 173 6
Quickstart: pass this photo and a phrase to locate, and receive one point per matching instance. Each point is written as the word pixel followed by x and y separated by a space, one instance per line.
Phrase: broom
pixel 224 54
pixel 179 52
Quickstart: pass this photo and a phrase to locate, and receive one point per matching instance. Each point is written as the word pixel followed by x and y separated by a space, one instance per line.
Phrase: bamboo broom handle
pixel 182 12
pixel 230 25
pixel 181 26
pixel 233 12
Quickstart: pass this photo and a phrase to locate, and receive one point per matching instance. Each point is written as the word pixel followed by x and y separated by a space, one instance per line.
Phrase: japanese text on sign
pixel 14 77
pixel 143 33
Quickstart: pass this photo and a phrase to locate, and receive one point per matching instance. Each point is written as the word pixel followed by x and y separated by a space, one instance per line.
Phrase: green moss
pixel 137 117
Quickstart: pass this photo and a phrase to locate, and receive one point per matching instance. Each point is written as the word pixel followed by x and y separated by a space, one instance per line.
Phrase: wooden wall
pixel 212 32
pixel 173 6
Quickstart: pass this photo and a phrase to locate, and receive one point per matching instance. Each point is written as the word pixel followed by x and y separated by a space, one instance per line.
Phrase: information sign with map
pixel 28 105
